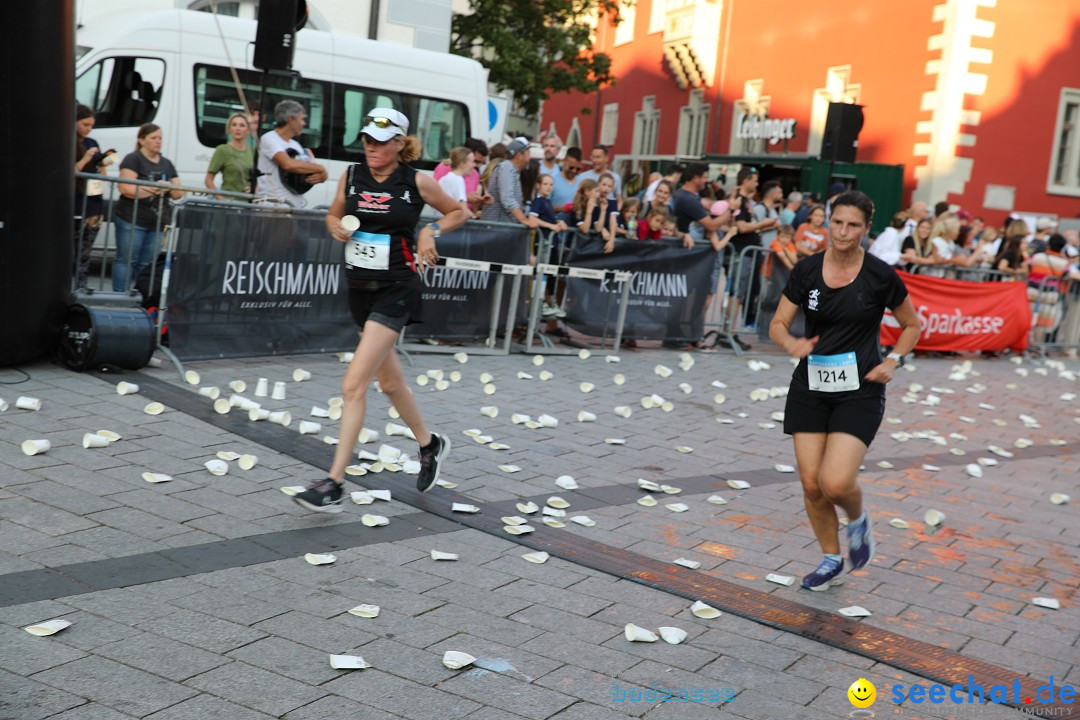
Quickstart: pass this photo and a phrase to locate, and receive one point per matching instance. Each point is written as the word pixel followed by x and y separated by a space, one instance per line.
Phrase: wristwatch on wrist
pixel 435 229
pixel 897 358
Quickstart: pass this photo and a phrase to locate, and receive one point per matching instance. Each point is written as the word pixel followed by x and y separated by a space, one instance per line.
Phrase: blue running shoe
pixel 860 542
pixel 828 573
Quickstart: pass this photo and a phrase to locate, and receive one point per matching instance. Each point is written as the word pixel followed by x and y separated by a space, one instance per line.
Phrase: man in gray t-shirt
pixel 505 187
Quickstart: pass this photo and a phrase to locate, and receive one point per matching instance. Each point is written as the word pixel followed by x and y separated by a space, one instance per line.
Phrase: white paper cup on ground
pixel 283 418
pixel 222 406
pixel 300 375
pixel 586 416
pixel 247 461
pixel 334 412
pixel 126 388
pixel 154 408
pixel 348 662
pixel 456 660
pixel 217 467
pixel 623 411
pixel 238 386
pixel 490 411
pixel 50 627
pixel 309 428
pixel 262 387
pixel 672 635
pixel 93 440
pixel 319 412
pixel 368 436
pixel 634 633
pixel 192 378
pixel 3 405
pixel 257 414
pixel 153 477
pixel 211 391
pixel 36 447
pixel 28 403
pixel 279 391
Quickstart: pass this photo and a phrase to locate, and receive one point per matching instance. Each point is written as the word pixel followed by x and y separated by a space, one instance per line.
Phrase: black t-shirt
pixel 745 213
pixel 688 209
pixel 388 212
pixel 846 319
pixel 144 169
pixel 909 244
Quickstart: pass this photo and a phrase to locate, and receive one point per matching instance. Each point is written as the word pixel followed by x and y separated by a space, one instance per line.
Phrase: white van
pixel 171 67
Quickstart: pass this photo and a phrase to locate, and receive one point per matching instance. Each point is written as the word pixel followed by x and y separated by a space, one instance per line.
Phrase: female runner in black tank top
pixel 386 195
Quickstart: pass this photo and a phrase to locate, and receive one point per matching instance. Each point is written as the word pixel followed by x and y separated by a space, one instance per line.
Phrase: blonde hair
pixel 944 225
pixel 458 157
pixel 581 199
pixel 410 151
pixel 489 169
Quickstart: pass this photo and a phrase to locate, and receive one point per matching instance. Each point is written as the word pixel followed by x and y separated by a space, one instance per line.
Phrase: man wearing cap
pixel 1044 228
pixel 280 152
pixel 505 187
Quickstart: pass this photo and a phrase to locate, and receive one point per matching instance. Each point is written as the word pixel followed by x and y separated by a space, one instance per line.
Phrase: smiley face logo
pixel 862 693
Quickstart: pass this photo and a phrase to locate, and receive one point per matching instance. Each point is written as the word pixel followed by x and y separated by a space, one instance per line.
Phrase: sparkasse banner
pixel 965 316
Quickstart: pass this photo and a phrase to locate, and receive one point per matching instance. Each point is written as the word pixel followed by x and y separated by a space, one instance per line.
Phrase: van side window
pixel 122 91
pixel 216 99
pixel 441 125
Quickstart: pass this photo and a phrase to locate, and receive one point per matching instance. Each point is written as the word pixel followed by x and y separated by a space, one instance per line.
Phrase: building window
pixel 693 125
pixel 646 127
pixel 657 16
pixel 1065 158
pixel 573 137
pixel 609 126
pixel 624 31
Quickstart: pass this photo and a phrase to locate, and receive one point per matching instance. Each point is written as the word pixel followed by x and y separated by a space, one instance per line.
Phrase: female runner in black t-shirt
pixel 386 195
pixel 837 394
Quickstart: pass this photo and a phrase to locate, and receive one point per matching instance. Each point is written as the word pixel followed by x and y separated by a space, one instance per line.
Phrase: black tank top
pixel 382 249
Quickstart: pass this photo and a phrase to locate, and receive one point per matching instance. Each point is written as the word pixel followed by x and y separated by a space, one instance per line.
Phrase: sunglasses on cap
pixel 379 122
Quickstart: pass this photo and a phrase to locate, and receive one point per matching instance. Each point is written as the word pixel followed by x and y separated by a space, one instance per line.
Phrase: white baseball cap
pixel 385 123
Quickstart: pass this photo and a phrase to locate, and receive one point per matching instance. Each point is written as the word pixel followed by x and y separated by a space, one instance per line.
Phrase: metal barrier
pixel 743 293
pixel 95 236
pixel 1055 315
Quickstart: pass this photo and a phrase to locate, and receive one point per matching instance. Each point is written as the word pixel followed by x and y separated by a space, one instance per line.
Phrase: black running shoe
pixel 321 496
pixel 431 458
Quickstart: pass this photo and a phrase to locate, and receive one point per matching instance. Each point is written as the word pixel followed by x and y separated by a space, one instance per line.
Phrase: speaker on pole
pixel 275 39
pixel 842 127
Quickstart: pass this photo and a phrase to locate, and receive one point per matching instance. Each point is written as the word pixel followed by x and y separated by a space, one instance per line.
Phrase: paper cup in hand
pixel 28 403
pixel 126 388
pixel 350 223
pixel 309 428
pixel 36 447
pixel 93 440
pixel 300 375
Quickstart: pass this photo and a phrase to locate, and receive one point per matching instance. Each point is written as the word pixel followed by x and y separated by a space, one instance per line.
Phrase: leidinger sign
pixel 754 127
pixel 958 315
pixel 667 290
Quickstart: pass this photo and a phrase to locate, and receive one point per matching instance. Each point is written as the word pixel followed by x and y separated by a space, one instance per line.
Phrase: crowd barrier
pixel 1055 315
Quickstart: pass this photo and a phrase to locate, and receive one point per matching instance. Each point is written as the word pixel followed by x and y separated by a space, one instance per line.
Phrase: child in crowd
pixel 652 227
pixel 542 210
pixel 783 247
pixel 624 223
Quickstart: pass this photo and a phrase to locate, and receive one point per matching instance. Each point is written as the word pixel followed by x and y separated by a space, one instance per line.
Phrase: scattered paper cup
pixel 854 611
pixel 247 461
pixel 702 610
pixel 309 428
pixel 222 406
pixel 672 635
pixel 192 378
pixel 368 436
pixel 152 477
pixel 456 660
pixel 279 391
pixel 217 467
pixel 1051 603
pixel 109 435
pixel 365 610
pixel 93 440
pixel 28 403
pixel 934 518
pixel 489 410
pixel 319 559
pixel 262 387
pixel 154 408
pixel 461 357
pixel 256 414
pixel 1059 498
pixel 348 662
pixel 50 627
pixel 548 421
pixel 623 411
pixel 211 391
pixel 300 375
pixel 633 633
pixel 126 388
pixel 283 418
pixel 586 416
pixel 36 447
pixel 439 555
pixel 539 557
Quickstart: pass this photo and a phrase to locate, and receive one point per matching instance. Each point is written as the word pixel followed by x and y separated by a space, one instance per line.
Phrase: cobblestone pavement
pixel 190 599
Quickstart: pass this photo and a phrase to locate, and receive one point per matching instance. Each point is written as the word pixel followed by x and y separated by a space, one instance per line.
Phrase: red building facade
pixel 978 99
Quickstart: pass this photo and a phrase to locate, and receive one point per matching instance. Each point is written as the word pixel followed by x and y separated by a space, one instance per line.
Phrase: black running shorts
pixel 393 304
pixel 855 413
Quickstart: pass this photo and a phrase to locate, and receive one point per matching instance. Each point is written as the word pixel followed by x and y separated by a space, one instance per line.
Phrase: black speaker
pixel 97 336
pixel 275 39
pixel 842 127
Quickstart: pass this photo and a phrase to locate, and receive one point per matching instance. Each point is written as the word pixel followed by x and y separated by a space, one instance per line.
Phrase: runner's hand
pixel 883 373
pixel 337 232
pixel 426 254
pixel 802 347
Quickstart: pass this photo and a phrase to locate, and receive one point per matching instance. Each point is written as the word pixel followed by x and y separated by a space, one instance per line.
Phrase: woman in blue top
pixel 375 213
pixel 837 394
